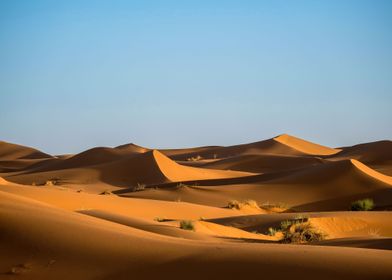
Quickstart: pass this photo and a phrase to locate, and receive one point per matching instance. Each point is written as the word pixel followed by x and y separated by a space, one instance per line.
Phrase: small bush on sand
pixel 196 158
pixel 235 204
pixel 138 187
pixel 275 206
pixel 106 192
pixel 298 230
pixel 159 219
pixel 366 204
pixel 180 185
pixel 272 231
pixel 187 225
pixel 52 182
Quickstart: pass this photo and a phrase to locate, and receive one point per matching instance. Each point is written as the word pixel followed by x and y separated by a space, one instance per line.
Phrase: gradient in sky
pixel 78 74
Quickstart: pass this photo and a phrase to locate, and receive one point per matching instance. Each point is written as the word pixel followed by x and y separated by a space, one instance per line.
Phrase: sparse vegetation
pixel 138 187
pixel 279 205
pixel 52 182
pixel 366 204
pixel 298 230
pixel 180 185
pixel 106 192
pixel 301 232
pixel 235 204
pixel 19 269
pixel 196 158
pixel 272 231
pixel 159 219
pixel 187 225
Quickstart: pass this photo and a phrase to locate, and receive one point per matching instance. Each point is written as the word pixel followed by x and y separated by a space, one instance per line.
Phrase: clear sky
pixel 78 74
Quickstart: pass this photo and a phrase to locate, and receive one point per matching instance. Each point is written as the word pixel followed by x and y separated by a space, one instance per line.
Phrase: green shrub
pixel 187 225
pixel 366 204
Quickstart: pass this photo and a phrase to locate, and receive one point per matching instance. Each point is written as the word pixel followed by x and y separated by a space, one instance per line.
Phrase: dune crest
pixel 175 172
pixel 305 146
pixel 371 172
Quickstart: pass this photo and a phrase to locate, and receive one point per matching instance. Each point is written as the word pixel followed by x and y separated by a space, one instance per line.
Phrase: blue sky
pixel 77 74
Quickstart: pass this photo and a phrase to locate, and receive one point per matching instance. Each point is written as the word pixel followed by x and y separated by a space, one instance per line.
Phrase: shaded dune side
pixel 349 171
pixel 263 163
pixel 378 152
pixel 9 151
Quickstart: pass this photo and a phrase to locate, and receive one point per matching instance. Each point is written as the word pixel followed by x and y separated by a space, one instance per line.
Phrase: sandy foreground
pixel 116 213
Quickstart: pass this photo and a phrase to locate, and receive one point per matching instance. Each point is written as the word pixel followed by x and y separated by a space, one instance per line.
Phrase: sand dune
pixel 377 155
pixel 9 151
pixel 369 153
pixel 281 145
pixel 115 213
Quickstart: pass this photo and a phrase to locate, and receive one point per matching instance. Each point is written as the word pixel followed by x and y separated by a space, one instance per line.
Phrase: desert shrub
pixel 366 204
pixel 299 232
pixel 180 185
pixel 235 204
pixel 196 158
pixel 275 205
pixel 138 187
pixel 159 219
pixel 52 182
pixel 272 231
pixel 187 225
pixel 106 192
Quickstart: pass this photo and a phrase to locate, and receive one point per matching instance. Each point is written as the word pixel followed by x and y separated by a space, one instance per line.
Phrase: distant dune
pixel 275 208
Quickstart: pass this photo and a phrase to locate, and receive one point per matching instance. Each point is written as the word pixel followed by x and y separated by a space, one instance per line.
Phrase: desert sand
pixel 215 212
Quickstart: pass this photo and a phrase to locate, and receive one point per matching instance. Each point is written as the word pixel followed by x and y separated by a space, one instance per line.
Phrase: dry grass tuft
pixel 299 230
pixel 187 225
pixel 235 204
pixel 106 192
pixel 196 158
